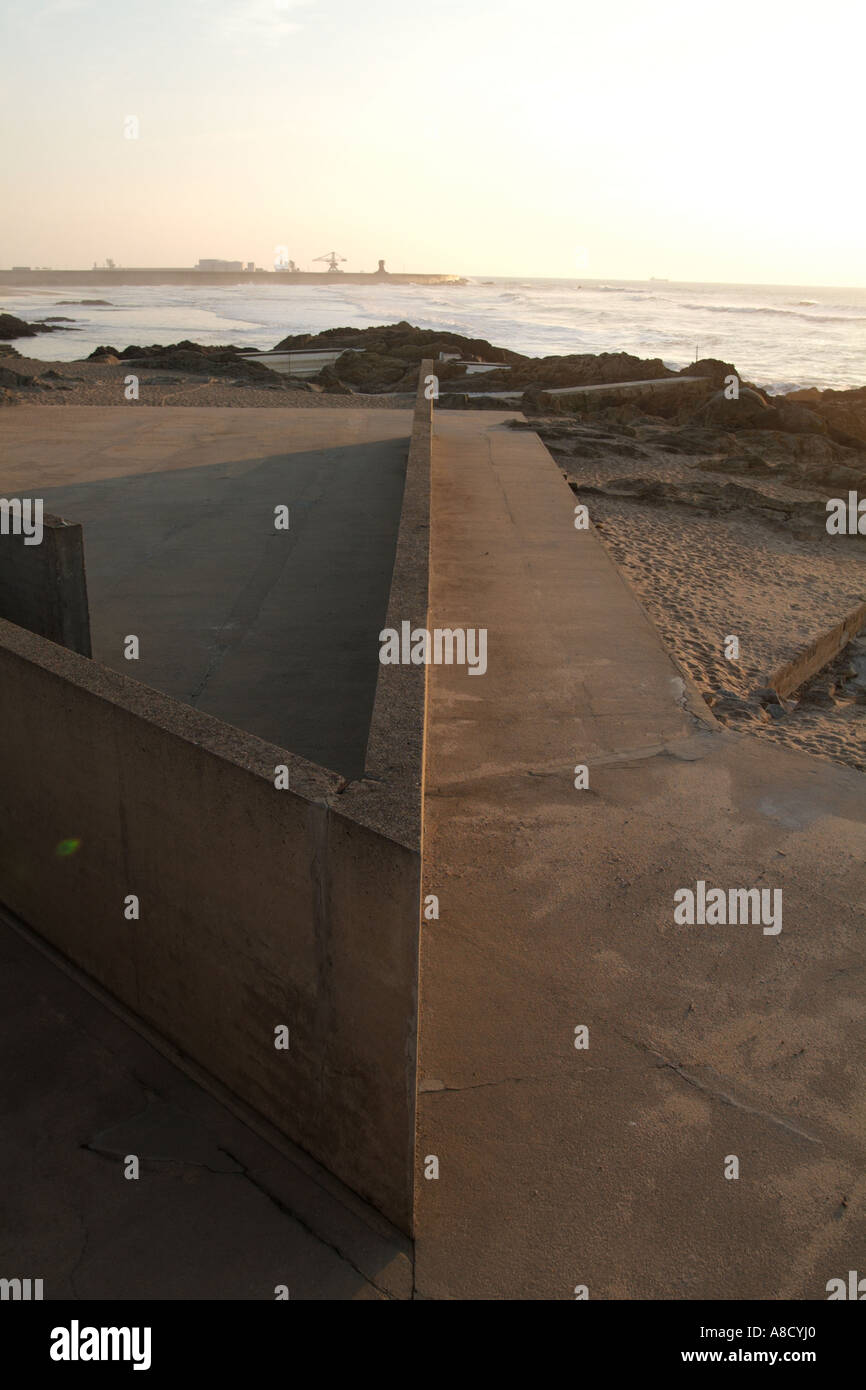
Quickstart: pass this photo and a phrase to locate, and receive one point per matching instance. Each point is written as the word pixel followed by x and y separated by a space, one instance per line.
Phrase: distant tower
pixel 382 272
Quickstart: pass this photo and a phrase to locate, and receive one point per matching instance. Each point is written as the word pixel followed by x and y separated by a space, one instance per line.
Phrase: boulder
pixel 12 327
pixel 715 370
pixel 797 419
pixel 844 412
pixel 401 340
pixel 330 382
pixel 370 371
pixel 747 411
pixel 14 381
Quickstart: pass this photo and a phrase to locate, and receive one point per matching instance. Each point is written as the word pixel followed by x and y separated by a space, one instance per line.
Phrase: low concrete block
pixel 43 586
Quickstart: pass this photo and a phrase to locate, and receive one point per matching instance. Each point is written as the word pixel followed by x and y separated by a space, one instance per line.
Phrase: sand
pixel 775 581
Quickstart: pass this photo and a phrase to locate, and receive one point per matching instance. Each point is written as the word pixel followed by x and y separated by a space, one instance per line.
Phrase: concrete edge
pixel 388 797
pixel 817 654
pixel 178 720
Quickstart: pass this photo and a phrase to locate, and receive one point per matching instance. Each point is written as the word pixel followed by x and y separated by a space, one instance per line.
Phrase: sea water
pixel 781 337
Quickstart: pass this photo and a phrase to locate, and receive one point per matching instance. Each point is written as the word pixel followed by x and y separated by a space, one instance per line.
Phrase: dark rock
pixel 184 358
pixel 14 381
pixel 748 410
pixel 690 440
pixel 330 382
pixel 843 411
pixel 740 463
pixel 711 367
pixel 370 371
pixel 12 327
pixel 534 401
pixel 400 340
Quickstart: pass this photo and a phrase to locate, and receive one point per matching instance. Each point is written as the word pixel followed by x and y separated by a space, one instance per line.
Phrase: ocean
pixel 780 337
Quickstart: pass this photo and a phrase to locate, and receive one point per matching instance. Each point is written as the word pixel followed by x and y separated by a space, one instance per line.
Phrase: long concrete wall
pixel 258 907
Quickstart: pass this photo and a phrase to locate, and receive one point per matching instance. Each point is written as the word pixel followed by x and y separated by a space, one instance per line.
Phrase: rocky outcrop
pixel 328 380
pixel 752 410
pixel 844 412
pixel 15 381
pixel 399 341
pixel 749 410
pixel 540 374
pixel 716 371
pixel 12 327
pixel 197 359
pixel 370 371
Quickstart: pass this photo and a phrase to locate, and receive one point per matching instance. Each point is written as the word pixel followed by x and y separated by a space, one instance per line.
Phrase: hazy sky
pixel 619 139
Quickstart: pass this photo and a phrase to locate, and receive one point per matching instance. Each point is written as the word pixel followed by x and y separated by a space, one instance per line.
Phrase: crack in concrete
pixel 243 1172
pixel 434 1088
pixel 81 1255
pixel 721 1095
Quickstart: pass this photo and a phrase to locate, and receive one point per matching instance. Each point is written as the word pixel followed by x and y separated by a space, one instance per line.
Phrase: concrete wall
pixel 258 906
pixel 43 587
pixel 794 673
pixel 389 797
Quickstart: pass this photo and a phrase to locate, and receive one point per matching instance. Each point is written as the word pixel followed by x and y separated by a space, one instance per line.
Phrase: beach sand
pixel 773 579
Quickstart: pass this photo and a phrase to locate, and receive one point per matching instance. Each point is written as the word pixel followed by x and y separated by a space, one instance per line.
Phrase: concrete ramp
pixel 601 1160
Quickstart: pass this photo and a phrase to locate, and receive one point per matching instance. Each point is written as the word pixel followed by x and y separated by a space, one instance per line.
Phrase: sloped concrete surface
pixel 604 1166
pixel 217 1212
pixel 272 631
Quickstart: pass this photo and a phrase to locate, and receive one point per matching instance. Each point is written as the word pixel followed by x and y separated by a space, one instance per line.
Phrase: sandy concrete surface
pixel 604 1166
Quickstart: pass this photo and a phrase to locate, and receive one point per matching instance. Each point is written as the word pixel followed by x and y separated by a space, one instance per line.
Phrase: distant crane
pixel 333 261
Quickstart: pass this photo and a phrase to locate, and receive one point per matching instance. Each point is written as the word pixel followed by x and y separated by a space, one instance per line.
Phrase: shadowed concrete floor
pixel 273 631
pixel 216 1213
pixel 605 1167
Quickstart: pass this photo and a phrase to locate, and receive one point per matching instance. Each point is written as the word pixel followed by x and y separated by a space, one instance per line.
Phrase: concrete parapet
pixel 391 791
pixel 253 907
